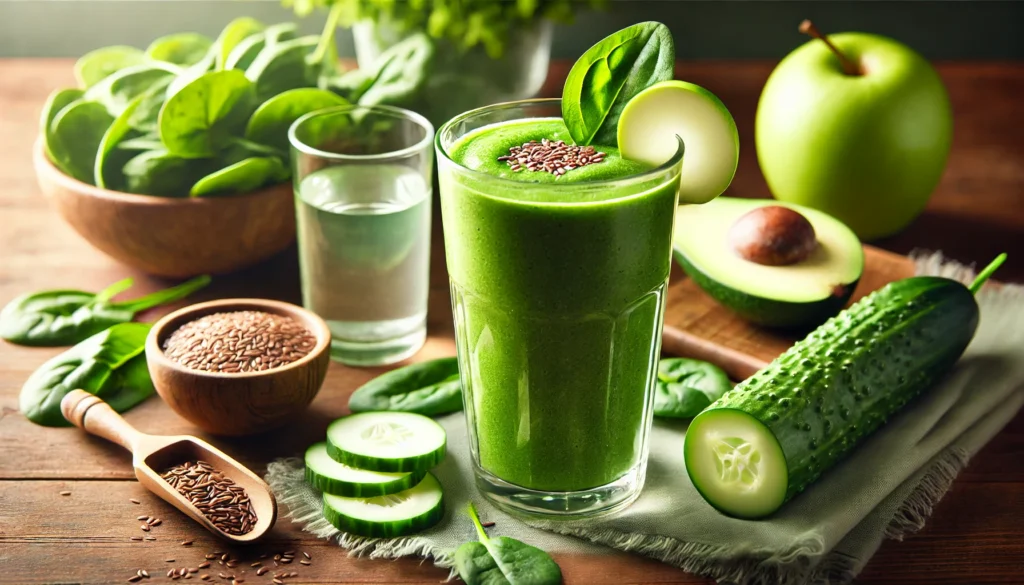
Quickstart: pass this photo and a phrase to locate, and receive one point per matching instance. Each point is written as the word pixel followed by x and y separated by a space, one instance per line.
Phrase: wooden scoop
pixel 152 454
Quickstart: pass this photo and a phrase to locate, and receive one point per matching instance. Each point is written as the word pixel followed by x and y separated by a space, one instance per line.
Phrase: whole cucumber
pixel 774 434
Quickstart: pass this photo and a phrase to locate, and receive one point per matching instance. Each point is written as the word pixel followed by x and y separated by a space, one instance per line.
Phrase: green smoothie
pixel 558 294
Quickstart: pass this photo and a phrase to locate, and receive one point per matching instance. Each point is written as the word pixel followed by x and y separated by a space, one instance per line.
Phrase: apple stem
pixel 849 67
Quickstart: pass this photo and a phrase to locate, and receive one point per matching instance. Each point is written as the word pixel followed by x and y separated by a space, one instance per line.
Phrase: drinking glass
pixel 363 179
pixel 558 295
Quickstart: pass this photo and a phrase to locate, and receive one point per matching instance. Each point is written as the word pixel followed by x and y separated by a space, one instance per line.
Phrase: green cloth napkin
pixel 885 489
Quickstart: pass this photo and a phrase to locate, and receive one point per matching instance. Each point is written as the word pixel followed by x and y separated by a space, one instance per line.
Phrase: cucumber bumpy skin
pixel 831 390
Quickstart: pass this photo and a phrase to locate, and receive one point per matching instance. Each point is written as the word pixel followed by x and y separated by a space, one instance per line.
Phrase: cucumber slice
pixel 401 514
pixel 736 463
pixel 331 477
pixel 654 117
pixel 386 441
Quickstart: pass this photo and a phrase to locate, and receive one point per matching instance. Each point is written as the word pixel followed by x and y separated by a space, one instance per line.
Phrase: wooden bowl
pixel 238 404
pixel 170 236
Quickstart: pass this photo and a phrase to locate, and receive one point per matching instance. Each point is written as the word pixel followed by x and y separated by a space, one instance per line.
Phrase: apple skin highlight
pixel 868 149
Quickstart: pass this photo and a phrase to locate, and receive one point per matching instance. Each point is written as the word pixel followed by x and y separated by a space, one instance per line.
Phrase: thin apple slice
pixel 651 121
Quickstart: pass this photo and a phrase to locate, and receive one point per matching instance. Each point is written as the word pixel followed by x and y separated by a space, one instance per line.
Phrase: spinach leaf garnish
pixel 110 364
pixel 503 561
pixel 430 388
pixel 609 74
pixel 685 387
pixel 65 317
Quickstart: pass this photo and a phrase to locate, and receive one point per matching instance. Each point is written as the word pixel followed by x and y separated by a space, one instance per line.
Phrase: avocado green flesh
pixel 830 391
pixel 805 293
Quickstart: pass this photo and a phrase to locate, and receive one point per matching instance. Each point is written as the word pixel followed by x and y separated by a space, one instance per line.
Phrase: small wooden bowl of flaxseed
pixel 239 366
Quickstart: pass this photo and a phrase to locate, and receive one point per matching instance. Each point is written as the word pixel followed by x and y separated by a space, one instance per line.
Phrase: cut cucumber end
pixel 386 441
pixel 654 117
pixel 400 514
pixel 328 476
pixel 736 463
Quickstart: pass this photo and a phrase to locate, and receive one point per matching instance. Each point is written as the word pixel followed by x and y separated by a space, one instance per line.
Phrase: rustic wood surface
pixel 975 536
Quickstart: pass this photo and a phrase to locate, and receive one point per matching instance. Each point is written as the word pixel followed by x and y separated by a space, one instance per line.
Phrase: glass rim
pixel 443 152
pixel 394 111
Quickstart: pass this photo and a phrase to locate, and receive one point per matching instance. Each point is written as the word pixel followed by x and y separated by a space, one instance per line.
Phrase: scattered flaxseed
pixel 134 578
pixel 186 543
pixel 137 538
pixel 304 562
pixel 487 524
pixel 261 571
pixel 150 538
pixel 204 565
pixel 144 527
pixel 211 556
pixel 306 554
pixel 239 341
pixel 277 581
pixel 168 560
pixel 555 157
pixel 134 501
pixel 205 577
pixel 65 493
pixel 142 518
pixel 144 573
pixel 156 522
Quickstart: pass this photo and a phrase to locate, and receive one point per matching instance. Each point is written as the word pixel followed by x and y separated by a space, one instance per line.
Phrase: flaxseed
pixel 239 342
pixel 224 503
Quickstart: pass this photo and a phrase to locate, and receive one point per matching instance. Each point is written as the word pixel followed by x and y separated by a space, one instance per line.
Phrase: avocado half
pixel 799 295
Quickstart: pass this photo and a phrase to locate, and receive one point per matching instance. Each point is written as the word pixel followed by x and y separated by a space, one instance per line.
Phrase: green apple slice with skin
pixel 651 121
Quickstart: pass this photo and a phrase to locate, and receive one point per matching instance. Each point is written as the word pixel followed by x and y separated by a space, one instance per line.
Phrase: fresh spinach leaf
pixel 109 159
pixel 245 52
pixel 609 74
pixel 242 177
pixel 234 33
pixel 180 48
pixel 160 173
pixel 270 122
pixel 400 72
pixel 55 102
pixel 283 66
pixel 96 65
pixel 74 138
pixel 202 117
pixel 147 115
pixel 507 561
pixel 149 141
pixel 429 388
pixel 350 85
pixel 120 89
pixel 685 387
pixel 65 317
pixel 193 72
pixel 110 364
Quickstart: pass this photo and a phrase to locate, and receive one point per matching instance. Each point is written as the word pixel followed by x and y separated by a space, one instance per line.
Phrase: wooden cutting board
pixel 696 326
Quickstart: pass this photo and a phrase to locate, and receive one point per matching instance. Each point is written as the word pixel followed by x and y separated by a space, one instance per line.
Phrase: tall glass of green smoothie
pixel 559 259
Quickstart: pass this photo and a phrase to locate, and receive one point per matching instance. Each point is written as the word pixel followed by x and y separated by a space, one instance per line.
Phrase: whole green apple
pixel 866 145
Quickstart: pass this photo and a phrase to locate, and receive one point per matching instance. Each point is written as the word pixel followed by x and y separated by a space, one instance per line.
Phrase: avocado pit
pixel 773 235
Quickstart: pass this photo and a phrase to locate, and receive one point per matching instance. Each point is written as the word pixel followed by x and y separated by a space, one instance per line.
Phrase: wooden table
pixel 975 536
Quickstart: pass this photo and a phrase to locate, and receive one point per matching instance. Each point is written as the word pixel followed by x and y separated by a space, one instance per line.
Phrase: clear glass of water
pixel 363 177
